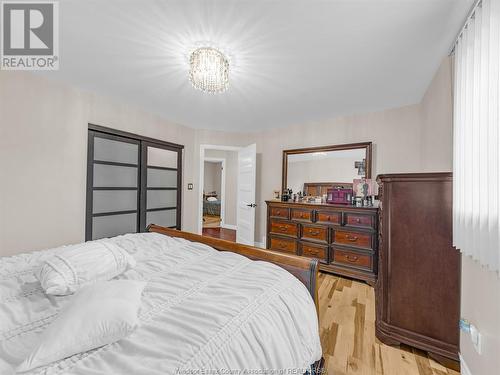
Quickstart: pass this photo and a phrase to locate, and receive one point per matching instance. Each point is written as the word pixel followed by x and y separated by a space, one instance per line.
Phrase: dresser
pixel 343 238
pixel 417 293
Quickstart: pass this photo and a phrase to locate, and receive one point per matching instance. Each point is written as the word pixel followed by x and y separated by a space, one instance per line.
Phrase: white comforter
pixel 201 309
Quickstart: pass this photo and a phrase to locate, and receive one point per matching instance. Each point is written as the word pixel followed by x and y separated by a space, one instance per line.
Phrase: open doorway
pixel 235 197
pixel 214 184
pixel 218 198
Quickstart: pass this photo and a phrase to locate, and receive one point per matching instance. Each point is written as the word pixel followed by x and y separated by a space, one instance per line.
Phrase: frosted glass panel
pixel 113 225
pixel 121 152
pixel 114 200
pixel 160 157
pixel 114 176
pixel 167 218
pixel 162 178
pixel 161 198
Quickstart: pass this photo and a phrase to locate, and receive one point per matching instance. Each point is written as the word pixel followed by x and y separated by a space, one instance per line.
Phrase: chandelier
pixel 209 70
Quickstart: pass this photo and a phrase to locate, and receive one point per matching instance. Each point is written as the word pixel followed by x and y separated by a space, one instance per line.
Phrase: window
pixel 132 181
pixel 476 160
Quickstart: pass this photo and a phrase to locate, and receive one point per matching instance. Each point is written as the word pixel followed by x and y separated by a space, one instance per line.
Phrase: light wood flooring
pixel 347 325
pixel 211 221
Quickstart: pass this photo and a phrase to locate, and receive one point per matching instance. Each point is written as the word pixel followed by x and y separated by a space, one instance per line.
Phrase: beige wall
pixel 43 153
pixel 437 118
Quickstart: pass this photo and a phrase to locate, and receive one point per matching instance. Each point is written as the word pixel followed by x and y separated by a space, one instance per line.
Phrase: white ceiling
pixel 292 61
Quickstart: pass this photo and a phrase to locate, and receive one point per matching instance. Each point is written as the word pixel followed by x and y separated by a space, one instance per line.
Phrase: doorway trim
pixel 201 178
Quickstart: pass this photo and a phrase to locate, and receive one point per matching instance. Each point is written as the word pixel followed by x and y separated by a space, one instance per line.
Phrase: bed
pixel 211 208
pixel 206 306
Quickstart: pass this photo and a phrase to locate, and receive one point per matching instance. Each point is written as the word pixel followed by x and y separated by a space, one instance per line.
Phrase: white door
pixel 245 216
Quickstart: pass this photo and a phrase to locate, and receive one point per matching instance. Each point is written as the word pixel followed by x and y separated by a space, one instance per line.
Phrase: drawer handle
pixel 302 216
pixel 313 252
pixel 351 259
pixel 282 245
pixel 358 220
pixel 278 212
pixel 352 239
pixel 283 228
pixel 313 232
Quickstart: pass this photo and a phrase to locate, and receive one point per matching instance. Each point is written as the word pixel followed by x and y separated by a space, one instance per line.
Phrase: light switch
pixel 190 186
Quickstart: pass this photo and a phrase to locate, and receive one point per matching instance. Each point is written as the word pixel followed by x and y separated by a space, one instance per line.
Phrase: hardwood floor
pixel 211 221
pixel 222 233
pixel 347 326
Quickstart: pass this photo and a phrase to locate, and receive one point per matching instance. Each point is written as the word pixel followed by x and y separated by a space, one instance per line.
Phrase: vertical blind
pixel 476 159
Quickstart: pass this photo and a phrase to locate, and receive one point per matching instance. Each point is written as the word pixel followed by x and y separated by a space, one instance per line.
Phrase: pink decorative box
pixel 339 196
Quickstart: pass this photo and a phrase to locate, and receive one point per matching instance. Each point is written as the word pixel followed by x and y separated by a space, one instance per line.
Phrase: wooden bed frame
pixel 304 269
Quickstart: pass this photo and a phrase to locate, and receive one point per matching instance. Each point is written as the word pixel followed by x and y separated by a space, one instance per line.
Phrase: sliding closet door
pixel 113 183
pixel 132 181
pixel 160 185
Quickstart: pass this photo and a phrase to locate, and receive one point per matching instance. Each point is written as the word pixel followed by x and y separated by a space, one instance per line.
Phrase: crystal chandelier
pixel 209 70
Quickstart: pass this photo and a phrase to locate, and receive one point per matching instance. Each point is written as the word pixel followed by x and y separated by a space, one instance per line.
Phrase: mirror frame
pixel 350 146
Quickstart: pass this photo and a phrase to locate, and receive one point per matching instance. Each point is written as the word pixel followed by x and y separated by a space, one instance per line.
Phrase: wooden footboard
pixel 306 270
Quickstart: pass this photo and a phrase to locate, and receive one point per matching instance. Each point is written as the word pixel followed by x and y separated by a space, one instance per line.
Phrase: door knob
pixel 251 205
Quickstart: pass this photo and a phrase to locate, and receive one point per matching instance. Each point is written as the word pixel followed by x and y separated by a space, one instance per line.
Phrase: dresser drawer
pixel 344 239
pixel 284 228
pixel 359 220
pixel 351 238
pixel 315 251
pixel 328 217
pixel 315 233
pixel 352 258
pixel 279 212
pixel 283 244
pixel 301 214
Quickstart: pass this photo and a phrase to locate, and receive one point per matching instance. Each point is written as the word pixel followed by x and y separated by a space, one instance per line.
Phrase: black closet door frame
pixel 89 216
pixel 143 142
pixel 144 177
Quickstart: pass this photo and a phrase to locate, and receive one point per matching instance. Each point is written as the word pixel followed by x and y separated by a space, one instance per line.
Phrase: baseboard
pixel 229 226
pixel 464 369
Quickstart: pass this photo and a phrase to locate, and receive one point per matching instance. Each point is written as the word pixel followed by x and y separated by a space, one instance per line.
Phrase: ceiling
pixel 292 61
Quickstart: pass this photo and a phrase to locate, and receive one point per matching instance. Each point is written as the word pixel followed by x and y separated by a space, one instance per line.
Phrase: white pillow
pixel 5 368
pixel 82 264
pixel 97 315
pixel 212 199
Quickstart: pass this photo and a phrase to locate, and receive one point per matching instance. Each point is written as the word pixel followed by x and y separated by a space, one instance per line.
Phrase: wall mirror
pixel 315 169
